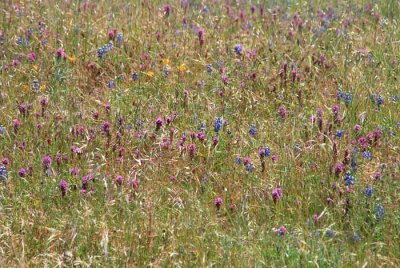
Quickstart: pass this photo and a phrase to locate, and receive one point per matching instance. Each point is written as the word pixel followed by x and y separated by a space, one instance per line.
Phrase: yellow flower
pixel 26 88
pixel 166 61
pixel 36 67
pixel 183 68
pixel 150 73
pixel 72 59
pixel 43 87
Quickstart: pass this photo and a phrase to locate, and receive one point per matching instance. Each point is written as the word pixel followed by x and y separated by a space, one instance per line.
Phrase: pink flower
pixel 32 56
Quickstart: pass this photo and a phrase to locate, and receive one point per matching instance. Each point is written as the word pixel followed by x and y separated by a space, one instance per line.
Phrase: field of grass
pixel 199 133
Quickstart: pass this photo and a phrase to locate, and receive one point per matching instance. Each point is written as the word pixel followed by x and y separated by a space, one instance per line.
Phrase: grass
pixel 280 69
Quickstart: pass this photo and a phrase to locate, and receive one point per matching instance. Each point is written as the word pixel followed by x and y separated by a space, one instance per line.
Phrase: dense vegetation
pixel 199 133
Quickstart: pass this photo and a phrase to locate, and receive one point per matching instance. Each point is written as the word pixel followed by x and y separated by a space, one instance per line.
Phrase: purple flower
pixel 335 109
pixel 200 35
pixel 16 124
pixel 338 169
pixel 61 53
pixel 218 202
pixel 74 171
pixel 281 231
pixel 201 136
pixel 215 140
pixel 63 187
pixel 118 180
pixel 192 149
pixel 167 9
pixel 276 194
pixel 159 123
pixel 22 172
pixel 282 111
pixel 134 183
pixel 225 79
pixel 46 162
pixel 106 127
pixel 5 161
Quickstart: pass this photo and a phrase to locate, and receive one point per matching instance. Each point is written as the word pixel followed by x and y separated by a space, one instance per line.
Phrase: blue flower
pixel 267 151
pixel 249 167
pixel 253 130
pixel 330 233
pixel 209 68
pixel 349 179
pixel 135 76
pixel 119 38
pixel 166 71
pixel 35 85
pixel 379 211
pixel 3 173
pixel 339 133
pixel 21 41
pixel 238 49
pixel 340 94
pixel 111 84
pixel 367 155
pixel 379 101
pixel 354 163
pixel 218 124
pixel 101 52
pixel 356 237
pixel 368 192
pixel 2 130
pixel 202 127
pixel 238 160
pixel 348 98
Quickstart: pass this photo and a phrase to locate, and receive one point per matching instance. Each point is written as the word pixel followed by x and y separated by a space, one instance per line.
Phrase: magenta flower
pixel 46 162
pixel 15 63
pixel 338 169
pixel 167 10
pixel 61 53
pixel 201 136
pixel 5 161
pixel 118 180
pixel 200 35
pixel 74 171
pixel 106 127
pixel 63 187
pixel 282 111
pixel 281 231
pixel 215 140
pixel 192 149
pixel 112 33
pixel 134 183
pixel 218 202
pixel 22 172
pixel 16 125
pixel 159 123
pixel 32 56
pixel 276 194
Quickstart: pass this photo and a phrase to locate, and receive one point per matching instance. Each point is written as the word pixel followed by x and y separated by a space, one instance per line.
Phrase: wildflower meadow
pixel 189 133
